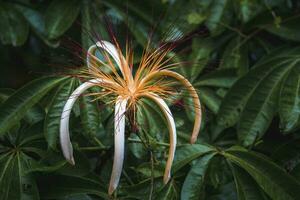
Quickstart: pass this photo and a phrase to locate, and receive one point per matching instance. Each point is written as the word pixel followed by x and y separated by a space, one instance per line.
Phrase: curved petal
pixel 65 116
pixel 119 138
pixel 172 133
pixel 113 52
pixel 192 92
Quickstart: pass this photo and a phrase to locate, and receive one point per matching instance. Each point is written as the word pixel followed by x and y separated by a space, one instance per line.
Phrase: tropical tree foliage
pixel 243 57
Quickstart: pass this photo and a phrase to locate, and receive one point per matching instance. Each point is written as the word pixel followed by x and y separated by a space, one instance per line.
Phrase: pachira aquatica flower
pixel 125 87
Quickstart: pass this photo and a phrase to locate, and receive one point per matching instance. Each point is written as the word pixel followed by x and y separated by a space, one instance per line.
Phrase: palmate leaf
pixel 261 106
pixel 253 98
pixel 270 177
pixel 17 155
pixel 16 106
pixel 237 96
pixel 14 184
pixel 193 184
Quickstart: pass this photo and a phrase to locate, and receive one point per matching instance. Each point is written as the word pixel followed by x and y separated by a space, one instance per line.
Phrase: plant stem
pixel 92 148
pixel 139 141
pixel 99 142
pixel 152 175
pixel 127 177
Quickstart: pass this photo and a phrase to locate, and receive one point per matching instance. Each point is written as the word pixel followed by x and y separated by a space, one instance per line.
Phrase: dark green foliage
pixel 243 57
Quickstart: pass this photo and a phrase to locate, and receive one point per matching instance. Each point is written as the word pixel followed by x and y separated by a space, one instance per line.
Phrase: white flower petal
pixel 110 49
pixel 196 101
pixel 172 133
pixel 192 92
pixel 119 138
pixel 64 122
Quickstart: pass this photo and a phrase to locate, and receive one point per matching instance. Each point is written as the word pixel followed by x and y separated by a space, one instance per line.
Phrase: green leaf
pixel 14 27
pixel 236 56
pixel 224 192
pixel 271 178
pixel 261 106
pixel 248 9
pixel 137 149
pixel 216 15
pixel 289 101
pixel 218 78
pixel 81 168
pixel 150 119
pixel 14 184
pixel 247 188
pixel 296 172
pixel 16 106
pixel 201 50
pixel 15 161
pixel 78 197
pixel 60 16
pixel 89 115
pixel 91 12
pixel 142 189
pixel 52 120
pixel 62 186
pixel 236 98
pixel 5 93
pixel 288 29
pixel 37 22
pixel 219 172
pixel 193 184
pixel 169 191
pixel 210 99
pixel 137 21
pixel 33 115
pixel 187 153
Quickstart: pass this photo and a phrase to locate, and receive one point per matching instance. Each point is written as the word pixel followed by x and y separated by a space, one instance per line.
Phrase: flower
pixel 125 91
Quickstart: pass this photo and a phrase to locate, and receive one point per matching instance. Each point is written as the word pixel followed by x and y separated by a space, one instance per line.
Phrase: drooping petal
pixel 119 137
pixel 172 133
pixel 65 142
pixel 113 52
pixel 192 92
